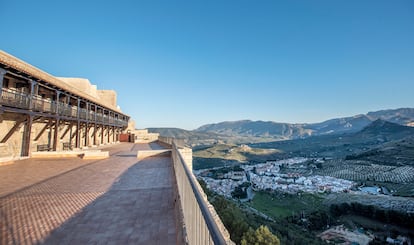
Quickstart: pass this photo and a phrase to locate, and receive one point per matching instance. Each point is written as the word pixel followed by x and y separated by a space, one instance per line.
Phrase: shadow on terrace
pixel 118 200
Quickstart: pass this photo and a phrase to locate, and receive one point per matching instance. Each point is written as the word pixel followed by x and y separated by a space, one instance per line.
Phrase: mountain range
pixel 256 131
pixel 375 135
pixel 403 116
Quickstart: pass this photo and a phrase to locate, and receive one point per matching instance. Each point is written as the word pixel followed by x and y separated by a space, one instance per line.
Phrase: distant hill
pixel 195 138
pixel 398 148
pixel 403 116
pixel 258 129
pixel 246 131
pixel 399 153
pixel 381 142
pixel 372 136
pixel 340 125
pixel 381 127
pixel 280 131
pixel 190 137
pixel 179 133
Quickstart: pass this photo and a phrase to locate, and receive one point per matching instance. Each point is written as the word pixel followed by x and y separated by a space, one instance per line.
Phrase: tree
pixel 239 192
pixel 232 217
pixel 262 236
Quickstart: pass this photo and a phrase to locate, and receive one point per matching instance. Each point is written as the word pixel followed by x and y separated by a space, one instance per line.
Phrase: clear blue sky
pixel 188 63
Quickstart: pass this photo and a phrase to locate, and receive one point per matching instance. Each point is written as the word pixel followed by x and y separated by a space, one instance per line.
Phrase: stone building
pixel 41 112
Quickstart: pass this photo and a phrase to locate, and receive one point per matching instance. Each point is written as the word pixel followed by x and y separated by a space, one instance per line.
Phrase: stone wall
pixel 42 133
pixel 109 96
pixel 142 135
pixel 81 84
pixel 12 148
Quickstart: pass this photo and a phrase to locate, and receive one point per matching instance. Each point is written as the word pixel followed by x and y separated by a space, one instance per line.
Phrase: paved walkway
pixel 119 200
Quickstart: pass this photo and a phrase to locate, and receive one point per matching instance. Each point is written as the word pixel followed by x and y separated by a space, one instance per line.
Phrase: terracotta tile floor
pixel 119 200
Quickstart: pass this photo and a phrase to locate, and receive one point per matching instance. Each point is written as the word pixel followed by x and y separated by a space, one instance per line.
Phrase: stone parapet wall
pixel 142 135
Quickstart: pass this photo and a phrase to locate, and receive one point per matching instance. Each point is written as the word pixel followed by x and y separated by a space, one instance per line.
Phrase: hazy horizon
pixel 185 64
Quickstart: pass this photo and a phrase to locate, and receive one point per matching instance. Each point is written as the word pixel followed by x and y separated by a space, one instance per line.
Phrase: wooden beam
pixel 27 135
pixel 108 132
pixel 87 134
pixel 55 135
pixel 66 131
pixel 102 134
pixel 113 134
pixel 32 90
pixel 12 130
pixel 73 135
pixel 95 129
pixel 2 73
pixel 42 131
pixel 77 135
pixel 37 118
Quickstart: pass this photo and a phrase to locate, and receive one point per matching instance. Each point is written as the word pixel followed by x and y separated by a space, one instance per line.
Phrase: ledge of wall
pixel 151 153
pixel 93 154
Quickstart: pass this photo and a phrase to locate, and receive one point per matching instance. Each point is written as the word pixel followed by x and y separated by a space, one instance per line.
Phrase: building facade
pixel 41 112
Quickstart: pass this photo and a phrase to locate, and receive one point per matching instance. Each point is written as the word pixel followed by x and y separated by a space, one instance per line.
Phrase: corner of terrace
pixel 65 177
pixel 122 199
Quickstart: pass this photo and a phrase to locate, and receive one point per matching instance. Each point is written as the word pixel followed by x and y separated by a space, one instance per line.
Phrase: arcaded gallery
pixel 41 112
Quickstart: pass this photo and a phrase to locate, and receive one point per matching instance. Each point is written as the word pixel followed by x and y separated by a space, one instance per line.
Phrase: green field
pixel 240 153
pixel 220 155
pixel 283 205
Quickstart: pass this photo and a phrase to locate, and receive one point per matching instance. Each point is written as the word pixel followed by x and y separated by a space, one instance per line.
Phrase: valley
pixel 351 185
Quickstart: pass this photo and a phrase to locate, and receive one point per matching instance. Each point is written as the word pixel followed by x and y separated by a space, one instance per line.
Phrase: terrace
pixel 119 200
pixel 116 193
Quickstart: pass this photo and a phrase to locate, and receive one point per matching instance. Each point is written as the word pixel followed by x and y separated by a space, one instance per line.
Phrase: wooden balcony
pixel 14 99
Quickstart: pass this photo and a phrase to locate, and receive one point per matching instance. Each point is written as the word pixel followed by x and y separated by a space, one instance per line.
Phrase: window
pixel 6 82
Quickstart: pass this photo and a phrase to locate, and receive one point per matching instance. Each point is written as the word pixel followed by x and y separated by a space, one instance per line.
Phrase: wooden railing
pixel 21 100
pixel 15 99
